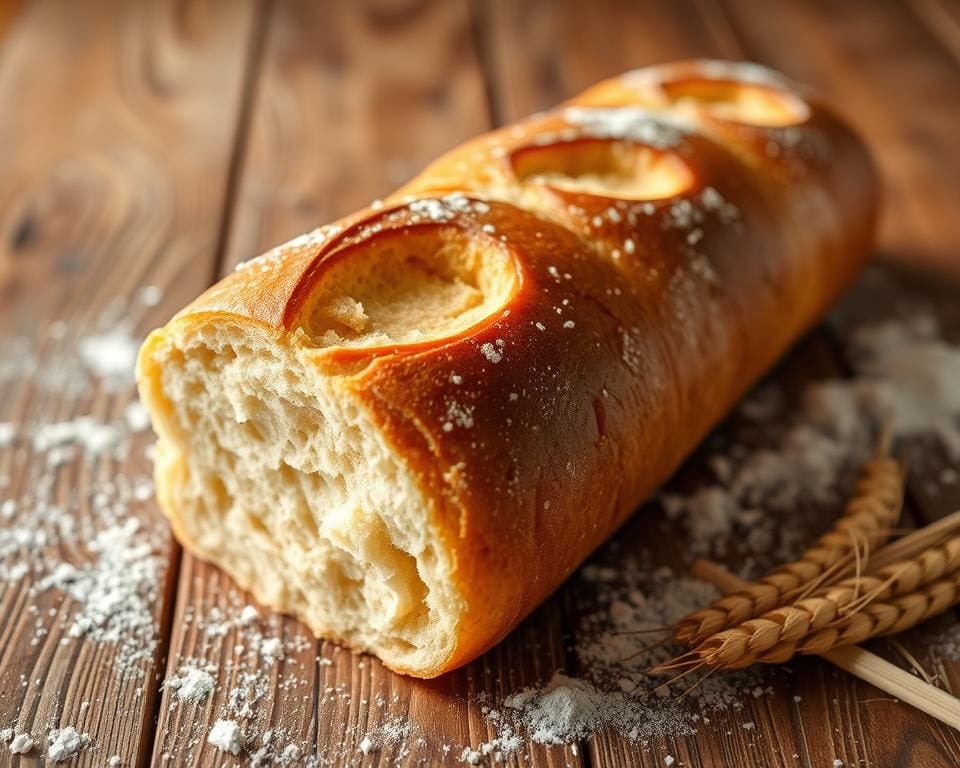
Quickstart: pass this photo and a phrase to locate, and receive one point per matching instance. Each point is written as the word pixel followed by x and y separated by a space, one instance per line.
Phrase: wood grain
pixel 942 18
pixel 94 205
pixel 8 12
pixel 159 145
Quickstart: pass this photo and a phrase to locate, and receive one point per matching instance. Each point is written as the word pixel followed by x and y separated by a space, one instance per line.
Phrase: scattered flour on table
pixel 136 417
pixel 66 743
pixel 150 295
pixel 904 376
pixel 909 375
pixel 192 684
pixel 21 744
pixel 272 752
pixel 613 691
pixel 394 730
pixel 271 649
pixel 17 743
pixel 113 536
pixel 115 593
pixel 903 372
pixel 8 433
pixel 251 673
pixel 111 356
pixel 84 432
pixel 226 736
pixel 77 534
pixel 566 710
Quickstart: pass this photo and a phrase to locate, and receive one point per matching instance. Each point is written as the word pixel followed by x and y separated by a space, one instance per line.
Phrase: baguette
pixel 409 427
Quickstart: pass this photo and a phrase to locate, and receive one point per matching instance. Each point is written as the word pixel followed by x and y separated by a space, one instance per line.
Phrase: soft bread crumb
pixel 347 311
pixel 271 471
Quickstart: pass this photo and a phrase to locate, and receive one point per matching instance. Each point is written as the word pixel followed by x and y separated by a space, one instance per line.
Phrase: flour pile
pixel 621 604
pixel 905 376
pixel 192 685
pixel 65 743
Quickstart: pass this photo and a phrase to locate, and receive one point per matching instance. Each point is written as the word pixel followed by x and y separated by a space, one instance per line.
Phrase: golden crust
pixel 628 336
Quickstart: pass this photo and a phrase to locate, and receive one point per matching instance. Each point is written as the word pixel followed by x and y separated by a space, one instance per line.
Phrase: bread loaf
pixel 408 427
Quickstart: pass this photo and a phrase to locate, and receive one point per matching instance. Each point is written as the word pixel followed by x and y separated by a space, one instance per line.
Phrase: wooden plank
pixel 350 102
pixel 117 126
pixel 904 294
pixel 531 70
pixel 540 53
pixel 878 64
pixel 810 711
pixel 532 73
pixel 942 18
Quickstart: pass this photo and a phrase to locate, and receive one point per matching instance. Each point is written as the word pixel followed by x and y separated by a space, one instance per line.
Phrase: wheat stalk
pixel 915 542
pixel 873 510
pixel 863 664
pixel 832 617
pixel 909 574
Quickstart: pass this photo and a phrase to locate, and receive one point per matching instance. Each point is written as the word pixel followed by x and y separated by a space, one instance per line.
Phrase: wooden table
pixel 160 143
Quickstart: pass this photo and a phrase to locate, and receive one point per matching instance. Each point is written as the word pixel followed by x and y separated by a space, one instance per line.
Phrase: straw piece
pixel 912 661
pixel 897 682
pixel 867 666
